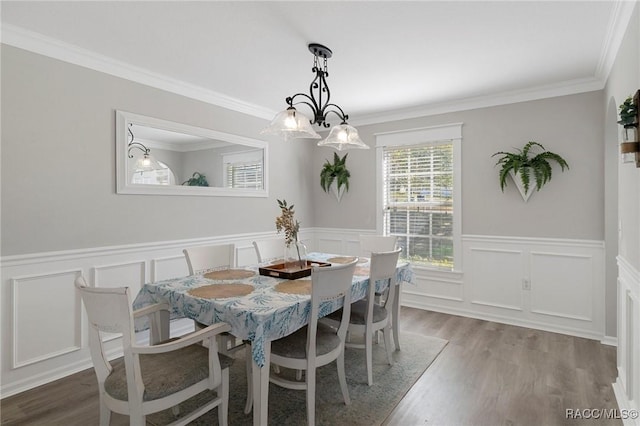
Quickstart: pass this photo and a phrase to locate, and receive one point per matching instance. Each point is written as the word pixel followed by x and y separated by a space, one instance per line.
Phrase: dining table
pixel 259 308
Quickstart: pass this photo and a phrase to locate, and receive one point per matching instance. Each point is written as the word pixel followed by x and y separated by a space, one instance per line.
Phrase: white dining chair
pixel 377 243
pixel 368 317
pixel 201 259
pixel 269 250
pixel 317 344
pixel 381 243
pixel 149 379
pixel 206 258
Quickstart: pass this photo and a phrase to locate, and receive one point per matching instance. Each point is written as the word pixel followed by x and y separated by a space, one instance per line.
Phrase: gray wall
pixel 58 163
pixel 58 167
pixel 570 206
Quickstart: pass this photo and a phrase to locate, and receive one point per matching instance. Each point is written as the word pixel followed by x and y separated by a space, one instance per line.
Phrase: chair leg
pixel 223 393
pixel 395 320
pixel 105 414
pixel 137 420
pixel 249 404
pixel 368 349
pixel 311 397
pixel 342 378
pixel 387 343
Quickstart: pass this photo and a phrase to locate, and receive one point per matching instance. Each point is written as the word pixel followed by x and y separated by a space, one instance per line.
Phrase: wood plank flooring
pixel 489 374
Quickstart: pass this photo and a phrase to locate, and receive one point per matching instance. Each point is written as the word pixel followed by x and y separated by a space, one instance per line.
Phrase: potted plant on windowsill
pixel 335 176
pixel 523 168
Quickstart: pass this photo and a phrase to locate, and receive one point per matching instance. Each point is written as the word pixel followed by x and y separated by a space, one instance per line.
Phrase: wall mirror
pixel 161 157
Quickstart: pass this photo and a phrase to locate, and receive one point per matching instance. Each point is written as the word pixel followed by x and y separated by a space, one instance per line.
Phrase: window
pixel 418 195
pixel 243 170
pixel 158 176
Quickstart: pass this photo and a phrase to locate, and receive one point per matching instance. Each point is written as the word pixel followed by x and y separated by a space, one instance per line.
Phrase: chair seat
pixel 295 344
pixel 164 374
pixel 358 310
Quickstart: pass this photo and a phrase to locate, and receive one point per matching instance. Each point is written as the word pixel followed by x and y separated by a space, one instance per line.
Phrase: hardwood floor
pixel 495 374
pixel 489 374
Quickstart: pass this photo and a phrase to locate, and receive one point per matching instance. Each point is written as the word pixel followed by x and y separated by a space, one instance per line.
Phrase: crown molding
pixel 570 87
pixel 618 22
pixel 47 46
pixel 38 43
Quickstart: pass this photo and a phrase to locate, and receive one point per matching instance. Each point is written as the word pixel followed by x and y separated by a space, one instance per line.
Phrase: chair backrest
pixel 377 243
pixel 109 310
pixel 270 249
pixel 330 283
pixel 383 267
pixel 204 258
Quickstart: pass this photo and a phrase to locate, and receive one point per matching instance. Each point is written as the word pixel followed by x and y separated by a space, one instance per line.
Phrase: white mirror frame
pixel 123 186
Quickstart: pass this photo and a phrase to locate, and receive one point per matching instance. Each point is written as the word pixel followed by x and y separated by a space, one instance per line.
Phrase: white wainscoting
pixel 543 283
pixel 627 385
pixel 44 326
pixel 549 284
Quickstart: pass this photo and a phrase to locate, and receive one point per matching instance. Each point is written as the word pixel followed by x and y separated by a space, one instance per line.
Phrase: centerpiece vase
pixel 295 256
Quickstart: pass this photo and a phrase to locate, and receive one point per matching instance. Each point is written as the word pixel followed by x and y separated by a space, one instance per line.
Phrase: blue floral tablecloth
pixel 263 315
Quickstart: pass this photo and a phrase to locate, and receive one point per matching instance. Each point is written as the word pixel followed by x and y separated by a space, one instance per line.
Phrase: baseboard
pixel 503 320
pixel 625 408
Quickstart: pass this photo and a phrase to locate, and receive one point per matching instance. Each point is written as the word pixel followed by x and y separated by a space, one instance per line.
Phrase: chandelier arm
pixel 139 146
pixel 340 113
pixel 311 103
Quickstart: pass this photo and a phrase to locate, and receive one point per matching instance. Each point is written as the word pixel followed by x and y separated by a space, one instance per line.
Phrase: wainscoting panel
pixel 495 286
pixel 46 317
pixel 168 267
pixel 567 278
pixel 548 284
pixel 129 274
pixel 627 385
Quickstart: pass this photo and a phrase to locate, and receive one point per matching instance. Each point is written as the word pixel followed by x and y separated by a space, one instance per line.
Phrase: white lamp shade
pixel 291 124
pixel 147 163
pixel 343 137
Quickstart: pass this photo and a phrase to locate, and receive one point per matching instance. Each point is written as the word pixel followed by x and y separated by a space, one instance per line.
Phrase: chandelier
pixel 292 124
pixel 145 163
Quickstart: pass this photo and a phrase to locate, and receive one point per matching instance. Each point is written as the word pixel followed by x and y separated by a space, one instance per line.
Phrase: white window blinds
pixel 418 201
pixel 244 175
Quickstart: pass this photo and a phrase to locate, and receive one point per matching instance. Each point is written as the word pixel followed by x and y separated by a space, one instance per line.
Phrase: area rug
pixel 370 405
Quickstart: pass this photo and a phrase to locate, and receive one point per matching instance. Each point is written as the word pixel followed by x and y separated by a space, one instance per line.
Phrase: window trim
pixel 452 132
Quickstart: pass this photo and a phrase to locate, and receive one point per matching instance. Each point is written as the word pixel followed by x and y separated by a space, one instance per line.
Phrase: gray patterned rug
pixel 370 405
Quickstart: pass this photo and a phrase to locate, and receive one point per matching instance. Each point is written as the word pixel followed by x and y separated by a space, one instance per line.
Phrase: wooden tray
pixel 279 271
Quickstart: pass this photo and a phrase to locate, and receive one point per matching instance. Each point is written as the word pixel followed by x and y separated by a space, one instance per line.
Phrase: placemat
pixel 299 286
pixel 220 291
pixel 362 271
pixel 229 274
pixel 341 259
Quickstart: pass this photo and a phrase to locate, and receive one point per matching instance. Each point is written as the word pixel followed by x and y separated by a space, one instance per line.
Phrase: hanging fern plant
pixel 335 172
pixel 537 167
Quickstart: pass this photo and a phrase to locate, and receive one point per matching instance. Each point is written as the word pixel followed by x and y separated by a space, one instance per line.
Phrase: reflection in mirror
pixel 161 157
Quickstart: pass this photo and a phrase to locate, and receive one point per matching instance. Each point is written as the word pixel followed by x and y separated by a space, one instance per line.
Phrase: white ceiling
pixel 389 57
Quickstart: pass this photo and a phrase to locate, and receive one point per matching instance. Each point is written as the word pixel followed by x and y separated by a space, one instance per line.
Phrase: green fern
pixel 538 167
pixel 336 171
